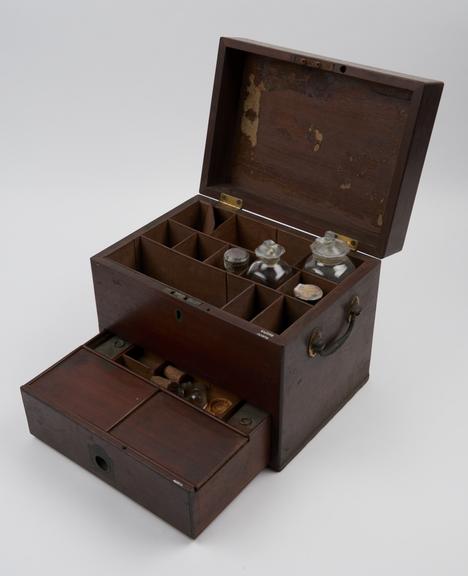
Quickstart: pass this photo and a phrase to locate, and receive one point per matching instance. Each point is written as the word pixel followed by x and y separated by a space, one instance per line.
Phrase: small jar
pixel 194 392
pixel 308 292
pixel 269 269
pixel 329 258
pixel 236 261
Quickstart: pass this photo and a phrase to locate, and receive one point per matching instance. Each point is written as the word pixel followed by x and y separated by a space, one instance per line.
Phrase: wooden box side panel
pixel 136 480
pixel 316 388
pixel 222 488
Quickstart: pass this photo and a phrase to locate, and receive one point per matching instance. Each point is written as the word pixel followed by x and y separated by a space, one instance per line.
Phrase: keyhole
pixel 178 315
pixel 101 463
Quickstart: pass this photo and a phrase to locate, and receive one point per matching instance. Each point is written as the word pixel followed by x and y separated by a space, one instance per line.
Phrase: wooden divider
pixel 251 302
pixel 186 252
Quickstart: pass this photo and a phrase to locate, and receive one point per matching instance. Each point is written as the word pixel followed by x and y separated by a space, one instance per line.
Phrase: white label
pixel 266 334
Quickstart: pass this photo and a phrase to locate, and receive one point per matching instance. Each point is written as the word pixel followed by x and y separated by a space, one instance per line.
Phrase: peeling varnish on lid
pixel 345 185
pixel 250 116
pixel 380 220
pixel 318 136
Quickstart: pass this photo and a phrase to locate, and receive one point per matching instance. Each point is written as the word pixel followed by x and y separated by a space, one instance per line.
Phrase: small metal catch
pixel 313 62
pixel 351 242
pixel 231 201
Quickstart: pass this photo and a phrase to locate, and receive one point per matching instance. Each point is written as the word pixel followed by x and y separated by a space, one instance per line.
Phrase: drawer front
pixel 180 463
pixel 111 462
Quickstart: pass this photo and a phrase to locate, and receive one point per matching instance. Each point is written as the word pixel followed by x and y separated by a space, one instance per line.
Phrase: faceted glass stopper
pixel 269 269
pixel 270 252
pixel 329 258
pixel 330 248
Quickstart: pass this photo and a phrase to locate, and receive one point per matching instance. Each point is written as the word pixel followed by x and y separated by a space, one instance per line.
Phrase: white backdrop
pixel 103 113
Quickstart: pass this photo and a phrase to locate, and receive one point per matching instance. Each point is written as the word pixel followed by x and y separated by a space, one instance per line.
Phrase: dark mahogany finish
pixel 307 144
pixel 159 430
pixel 176 460
pixel 318 144
pixel 97 391
pixel 233 331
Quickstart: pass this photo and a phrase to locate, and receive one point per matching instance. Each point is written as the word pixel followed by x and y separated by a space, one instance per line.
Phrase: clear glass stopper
pixel 269 252
pixel 329 248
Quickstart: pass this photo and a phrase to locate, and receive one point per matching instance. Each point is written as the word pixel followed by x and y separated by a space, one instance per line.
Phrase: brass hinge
pixel 351 242
pixel 231 201
pixel 312 62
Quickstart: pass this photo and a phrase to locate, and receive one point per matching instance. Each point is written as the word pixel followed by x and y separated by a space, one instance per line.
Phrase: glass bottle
pixel 236 260
pixel 329 258
pixel 195 392
pixel 269 269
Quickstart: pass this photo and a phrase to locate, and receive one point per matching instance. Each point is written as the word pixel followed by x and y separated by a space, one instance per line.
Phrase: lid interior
pixel 317 148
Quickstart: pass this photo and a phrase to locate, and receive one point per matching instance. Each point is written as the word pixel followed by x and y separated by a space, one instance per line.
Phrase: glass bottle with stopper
pixel 269 269
pixel 329 258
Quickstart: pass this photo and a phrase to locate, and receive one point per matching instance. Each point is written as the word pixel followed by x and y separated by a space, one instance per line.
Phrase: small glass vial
pixel 195 392
pixel 236 261
pixel 269 269
pixel 329 258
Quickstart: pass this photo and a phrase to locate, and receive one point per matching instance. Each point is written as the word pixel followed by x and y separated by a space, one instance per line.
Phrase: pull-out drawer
pixel 176 459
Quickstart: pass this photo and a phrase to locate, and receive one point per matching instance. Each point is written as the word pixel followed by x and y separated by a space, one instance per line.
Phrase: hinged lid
pixel 318 144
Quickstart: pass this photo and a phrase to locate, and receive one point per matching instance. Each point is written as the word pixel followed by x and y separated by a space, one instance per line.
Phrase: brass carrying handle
pixel 318 347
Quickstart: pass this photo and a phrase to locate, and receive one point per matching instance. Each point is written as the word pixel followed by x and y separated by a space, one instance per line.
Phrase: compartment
pixel 146 357
pixel 141 362
pixel 303 277
pixel 280 315
pixel 245 232
pixel 217 259
pixel 180 272
pixel 297 247
pixel 203 216
pixel 199 246
pixel 161 372
pixel 195 266
pixel 109 345
pixel 182 464
pixel 251 302
pixel 168 233
pixel 235 285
